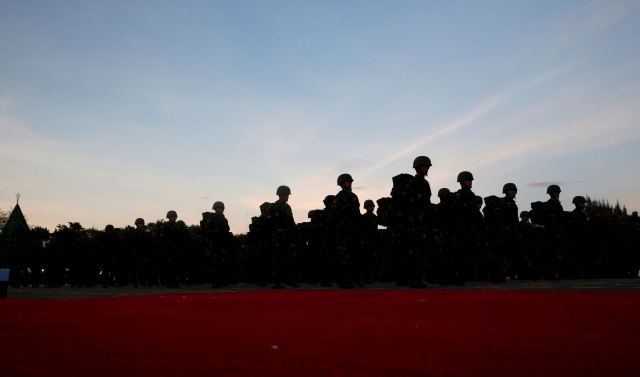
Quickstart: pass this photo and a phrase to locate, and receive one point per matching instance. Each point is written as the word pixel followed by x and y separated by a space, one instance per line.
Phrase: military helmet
pixel 443 192
pixel 328 200
pixel 524 214
pixel 139 220
pixel 465 176
pixel 342 178
pixel 421 161
pixel 218 205
pixel 509 186
pixel 578 199
pixel 109 227
pixel 553 188
pixel 368 203
pixel 479 199
pixel 172 214
pixel 283 190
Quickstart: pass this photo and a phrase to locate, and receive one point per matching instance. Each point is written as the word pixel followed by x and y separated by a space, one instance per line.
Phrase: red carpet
pixel 325 333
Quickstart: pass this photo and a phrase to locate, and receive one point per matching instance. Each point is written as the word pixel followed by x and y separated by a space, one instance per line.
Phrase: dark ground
pixel 68 292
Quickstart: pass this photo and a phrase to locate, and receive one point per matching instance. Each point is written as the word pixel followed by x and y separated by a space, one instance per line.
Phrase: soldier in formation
pixel 215 228
pixel 347 217
pixel 282 230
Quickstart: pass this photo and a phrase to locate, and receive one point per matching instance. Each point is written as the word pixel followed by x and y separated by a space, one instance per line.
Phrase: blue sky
pixel 113 110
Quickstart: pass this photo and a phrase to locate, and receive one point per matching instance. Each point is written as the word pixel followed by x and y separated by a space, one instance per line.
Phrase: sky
pixel 114 110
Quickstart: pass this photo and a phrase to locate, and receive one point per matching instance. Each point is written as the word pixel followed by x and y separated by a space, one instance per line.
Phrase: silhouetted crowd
pixel 403 238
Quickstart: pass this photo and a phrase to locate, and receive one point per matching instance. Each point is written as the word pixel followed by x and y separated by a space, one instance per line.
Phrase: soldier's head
pixel 422 164
pixel 443 192
pixel 579 201
pixel 328 201
pixel 109 228
pixel 283 193
pixel 368 205
pixel 510 190
pixel 524 216
pixel 465 179
pixel 218 207
pixel 345 180
pixel 139 222
pixel 554 191
pixel 172 216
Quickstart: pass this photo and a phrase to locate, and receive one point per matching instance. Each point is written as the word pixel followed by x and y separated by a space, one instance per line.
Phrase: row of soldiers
pixel 446 243
pixel 407 239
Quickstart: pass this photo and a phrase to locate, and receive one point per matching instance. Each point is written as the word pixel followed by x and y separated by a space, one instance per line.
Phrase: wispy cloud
pixel 467 119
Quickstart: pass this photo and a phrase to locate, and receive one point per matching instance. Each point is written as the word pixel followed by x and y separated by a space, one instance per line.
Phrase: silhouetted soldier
pixel 467 255
pixel 141 246
pixel 501 216
pixel 329 252
pixel 370 266
pixel 215 227
pixel 444 224
pixel 282 229
pixel 172 235
pixel 554 237
pixel 309 247
pixel 411 223
pixel 259 245
pixel 578 253
pixel 347 218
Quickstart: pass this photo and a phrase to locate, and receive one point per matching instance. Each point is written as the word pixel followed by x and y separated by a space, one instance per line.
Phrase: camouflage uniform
pixel 283 232
pixel 553 252
pixel 329 239
pixel 579 252
pixel 215 227
pixel 259 246
pixel 172 236
pixel 468 243
pixel 444 226
pixel 370 266
pixel 109 259
pixel 141 246
pixel 312 234
pixel 503 236
pixel 349 236
pixel 411 224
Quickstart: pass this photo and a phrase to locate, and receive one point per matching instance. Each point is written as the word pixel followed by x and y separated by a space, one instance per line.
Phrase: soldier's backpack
pixel 402 186
pixel 492 208
pixel 206 224
pixel 539 213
